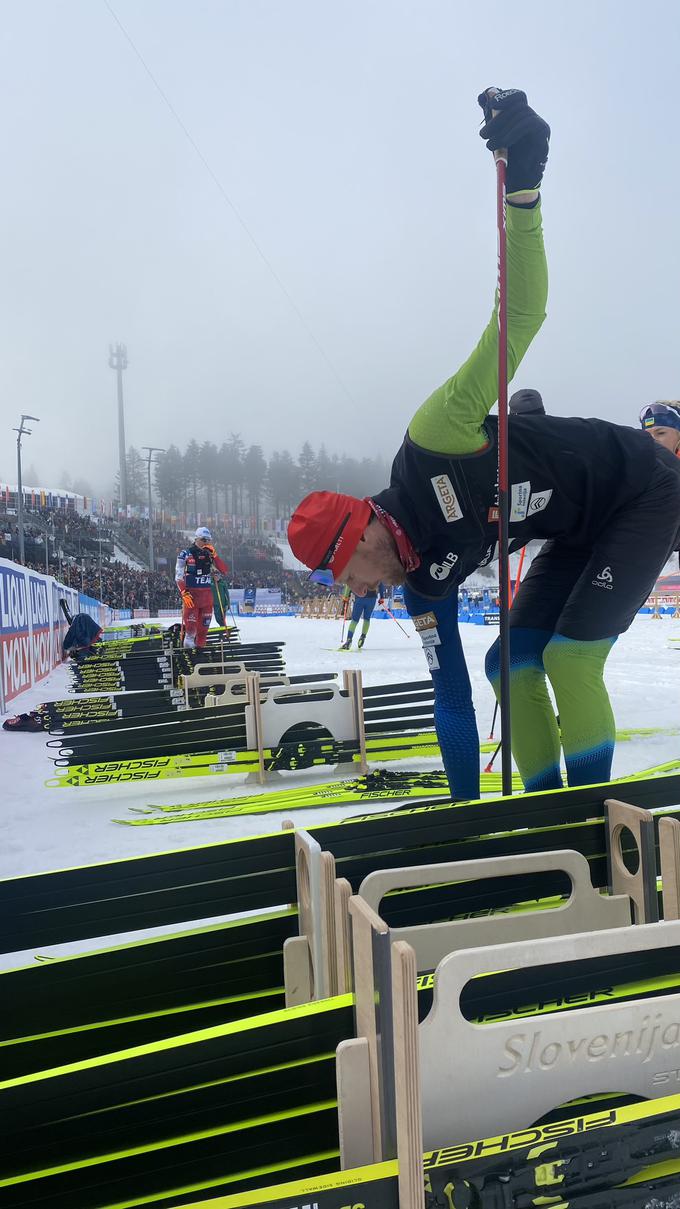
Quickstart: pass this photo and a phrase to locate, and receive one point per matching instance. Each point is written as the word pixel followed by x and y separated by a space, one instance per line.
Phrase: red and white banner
pixel 32 626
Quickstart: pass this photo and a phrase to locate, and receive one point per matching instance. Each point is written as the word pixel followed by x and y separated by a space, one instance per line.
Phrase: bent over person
pixel 606 498
pixel 194 573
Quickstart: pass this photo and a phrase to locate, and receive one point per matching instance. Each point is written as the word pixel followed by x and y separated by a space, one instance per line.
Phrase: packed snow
pixel 53 828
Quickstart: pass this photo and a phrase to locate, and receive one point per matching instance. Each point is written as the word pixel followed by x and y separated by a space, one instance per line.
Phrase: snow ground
pixel 48 828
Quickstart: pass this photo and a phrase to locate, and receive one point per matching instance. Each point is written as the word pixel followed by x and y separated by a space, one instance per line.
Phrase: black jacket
pixel 568 478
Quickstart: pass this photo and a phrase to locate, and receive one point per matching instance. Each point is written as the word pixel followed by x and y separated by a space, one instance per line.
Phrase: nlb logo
pixel 446 498
pixel 442 570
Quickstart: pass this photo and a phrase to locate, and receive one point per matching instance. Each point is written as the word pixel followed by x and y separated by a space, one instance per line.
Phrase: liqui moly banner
pixel 32 626
pixel 15 634
pixel 40 615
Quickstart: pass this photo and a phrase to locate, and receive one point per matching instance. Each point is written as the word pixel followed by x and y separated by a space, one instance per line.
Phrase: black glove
pixel 522 131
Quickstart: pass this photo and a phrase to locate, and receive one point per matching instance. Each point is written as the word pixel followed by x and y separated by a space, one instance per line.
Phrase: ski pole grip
pixel 502 152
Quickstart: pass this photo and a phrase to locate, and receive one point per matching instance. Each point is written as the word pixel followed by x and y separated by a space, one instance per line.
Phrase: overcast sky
pixel 331 257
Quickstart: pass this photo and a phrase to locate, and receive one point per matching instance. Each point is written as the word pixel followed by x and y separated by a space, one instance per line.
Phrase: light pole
pixel 55 549
pixel 21 430
pixel 151 450
pixel 118 360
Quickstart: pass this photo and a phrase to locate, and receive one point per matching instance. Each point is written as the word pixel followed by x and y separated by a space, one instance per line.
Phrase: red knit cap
pixel 325 529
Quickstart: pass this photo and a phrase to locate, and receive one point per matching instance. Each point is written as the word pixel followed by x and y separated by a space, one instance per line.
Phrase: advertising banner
pixel 32 626
pixel 40 618
pixel 268 596
pixel 15 635
pixel 94 608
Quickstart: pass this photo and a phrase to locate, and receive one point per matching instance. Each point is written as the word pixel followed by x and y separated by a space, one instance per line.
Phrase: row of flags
pixel 36 497
pixel 97 507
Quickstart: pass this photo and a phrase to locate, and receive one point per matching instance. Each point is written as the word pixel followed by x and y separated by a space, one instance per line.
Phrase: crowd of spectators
pixel 122 586
pixel 68 532
pixel 79 559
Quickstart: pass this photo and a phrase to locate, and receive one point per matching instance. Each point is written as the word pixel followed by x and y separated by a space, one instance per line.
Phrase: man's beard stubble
pixel 391 569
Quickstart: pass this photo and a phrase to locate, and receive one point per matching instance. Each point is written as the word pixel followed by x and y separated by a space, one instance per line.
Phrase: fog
pixel 284 211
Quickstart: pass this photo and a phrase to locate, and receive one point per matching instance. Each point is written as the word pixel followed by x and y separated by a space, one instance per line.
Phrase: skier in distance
pixel 194 571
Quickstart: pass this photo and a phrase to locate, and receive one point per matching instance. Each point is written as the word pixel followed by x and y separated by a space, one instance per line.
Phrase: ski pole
pixel 501 158
pixel 404 632
pixel 493 723
pixel 217 600
pixel 489 767
pixel 231 612
pixel 519 570
pixel 495 708
pixel 344 618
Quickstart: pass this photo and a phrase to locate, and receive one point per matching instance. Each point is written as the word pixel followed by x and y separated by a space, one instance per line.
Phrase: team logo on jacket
pixel 605 579
pixel 446 498
pixel 443 569
pixel 490 556
pixel 539 500
pixel 519 501
pixel 426 629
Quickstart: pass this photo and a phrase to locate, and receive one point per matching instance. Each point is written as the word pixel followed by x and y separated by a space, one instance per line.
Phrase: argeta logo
pixel 446 497
pixel 605 579
pixel 442 570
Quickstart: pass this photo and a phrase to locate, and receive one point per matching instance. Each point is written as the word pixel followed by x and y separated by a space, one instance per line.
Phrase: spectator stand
pixel 478 608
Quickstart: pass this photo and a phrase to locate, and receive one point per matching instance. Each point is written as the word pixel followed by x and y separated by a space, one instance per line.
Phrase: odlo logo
pixel 442 570
pixel 604 580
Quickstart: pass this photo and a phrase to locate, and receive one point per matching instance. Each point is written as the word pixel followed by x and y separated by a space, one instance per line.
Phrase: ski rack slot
pixel 309 960
pixel 359 1059
pixel 640 885
pixel 228 692
pixel 253 719
pixel 284 707
pixel 669 860
pixel 585 910
pixel 206 674
pixel 342 892
pixel 353 685
pixel 562 1056
pixel 95 900
pixel 272 712
pixel 428 944
pixel 520 1069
